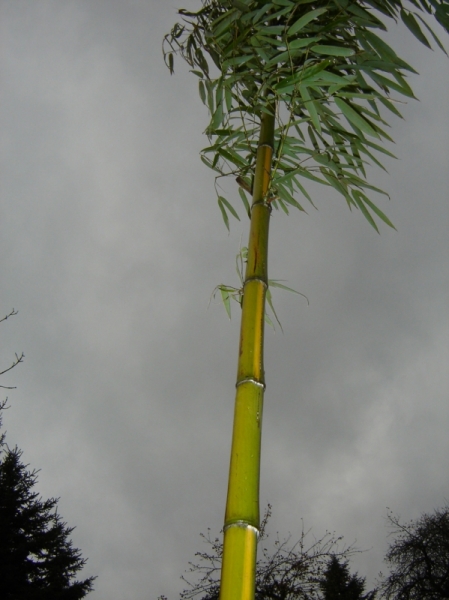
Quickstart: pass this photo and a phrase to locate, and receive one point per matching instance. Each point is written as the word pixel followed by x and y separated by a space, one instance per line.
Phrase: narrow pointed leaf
pixel 245 201
pixel 270 302
pixel 414 27
pixel 305 19
pixel 226 299
pixel 275 283
pixel 391 107
pixel 229 207
pixel 385 82
pixel 302 42
pixel 380 46
pixel 440 45
pixel 379 213
pixel 310 107
pixel 304 192
pixel 333 50
pixel 358 199
pixel 354 117
pixel 288 198
pixel 202 91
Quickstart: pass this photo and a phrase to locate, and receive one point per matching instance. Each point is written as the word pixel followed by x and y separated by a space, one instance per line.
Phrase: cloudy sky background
pixel 111 243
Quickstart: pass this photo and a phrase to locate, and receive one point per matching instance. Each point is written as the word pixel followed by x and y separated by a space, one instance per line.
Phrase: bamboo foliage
pixel 297 91
pixel 331 76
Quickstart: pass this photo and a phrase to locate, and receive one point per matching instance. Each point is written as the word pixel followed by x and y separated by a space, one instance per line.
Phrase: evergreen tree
pixel 339 584
pixel 37 558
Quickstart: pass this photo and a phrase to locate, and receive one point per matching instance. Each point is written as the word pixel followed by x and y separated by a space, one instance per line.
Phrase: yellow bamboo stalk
pixel 242 519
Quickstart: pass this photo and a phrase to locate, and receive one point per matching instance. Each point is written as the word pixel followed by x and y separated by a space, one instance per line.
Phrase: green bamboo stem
pixel 242 519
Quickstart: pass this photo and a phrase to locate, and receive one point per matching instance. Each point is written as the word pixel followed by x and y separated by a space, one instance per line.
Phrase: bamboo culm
pixel 242 519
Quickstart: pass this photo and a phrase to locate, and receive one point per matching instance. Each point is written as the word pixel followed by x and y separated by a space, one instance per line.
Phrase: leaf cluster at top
pixel 324 70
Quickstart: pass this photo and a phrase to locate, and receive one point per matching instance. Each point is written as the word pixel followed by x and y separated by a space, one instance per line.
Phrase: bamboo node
pixel 243 525
pixel 251 380
pixel 259 279
pixel 266 203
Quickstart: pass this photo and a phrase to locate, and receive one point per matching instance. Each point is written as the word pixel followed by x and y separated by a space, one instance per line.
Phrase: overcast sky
pixel 111 244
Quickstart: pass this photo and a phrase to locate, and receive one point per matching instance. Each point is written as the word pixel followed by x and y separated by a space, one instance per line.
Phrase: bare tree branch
pixel 17 360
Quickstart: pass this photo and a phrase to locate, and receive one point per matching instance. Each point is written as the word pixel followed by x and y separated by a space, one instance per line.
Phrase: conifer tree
pixel 339 584
pixel 37 558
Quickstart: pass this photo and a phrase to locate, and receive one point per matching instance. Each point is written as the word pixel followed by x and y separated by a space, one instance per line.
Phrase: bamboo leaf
pixel 236 61
pixel 283 57
pixel 224 22
pixel 412 24
pixel 387 83
pixel 288 198
pixel 333 50
pixel 245 201
pixel 379 148
pixel 379 45
pixel 228 98
pixel 359 201
pixel 372 157
pixel 354 117
pixel 224 214
pixel 210 96
pixel 281 204
pixel 230 208
pixel 226 299
pixel 279 13
pixel 391 107
pixel 302 42
pixel 335 183
pixel 275 283
pixel 440 45
pixel 232 157
pixel 379 213
pixel 329 77
pixel 264 9
pixel 442 16
pixel 217 119
pixel 240 5
pixel 270 303
pixel 202 91
pixel 271 30
pixel 284 3
pixel 310 106
pixel 267 319
pixel 308 175
pixel 300 76
pixel 305 19
pixel 304 192
pixel 210 164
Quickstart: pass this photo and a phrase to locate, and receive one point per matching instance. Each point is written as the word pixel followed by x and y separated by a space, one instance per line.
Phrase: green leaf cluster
pixel 229 293
pixel 324 67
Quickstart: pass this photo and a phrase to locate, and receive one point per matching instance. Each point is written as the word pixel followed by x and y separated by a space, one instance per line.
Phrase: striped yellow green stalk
pixel 241 526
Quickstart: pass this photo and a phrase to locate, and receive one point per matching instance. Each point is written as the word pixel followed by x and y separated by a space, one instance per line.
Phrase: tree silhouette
pixel 418 558
pixel 339 584
pixel 37 558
